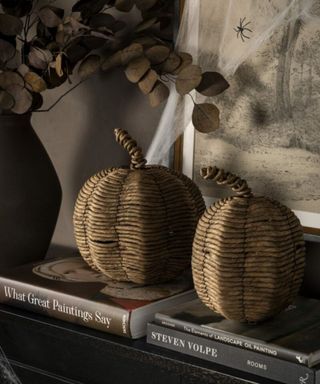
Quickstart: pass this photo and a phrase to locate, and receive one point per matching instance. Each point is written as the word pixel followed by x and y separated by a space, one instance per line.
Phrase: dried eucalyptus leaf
pixel 10 25
pixel 146 24
pixel 145 41
pixel 58 65
pixel 144 5
pixel 22 98
pixel 159 94
pixel 89 66
pixel 23 69
pixel 6 100
pixel 58 11
pixel 124 5
pixel 89 7
pixel 147 83
pixel 18 8
pixel 101 35
pixel 46 54
pixel 132 52
pixel 40 58
pixel 137 68
pixel 76 52
pixel 7 51
pixel 8 78
pixel 76 15
pixel 172 63
pixel 93 42
pixel 102 20
pixel 49 17
pixel 53 47
pixel 35 81
pixel 53 80
pixel 188 79
pixel 37 101
pixel 28 87
pixel 61 36
pixel 112 61
pixel 119 25
pixel 186 60
pixel 205 117
pixel 71 27
pixel 15 61
pixel 44 33
pixel 157 54
pixel 212 84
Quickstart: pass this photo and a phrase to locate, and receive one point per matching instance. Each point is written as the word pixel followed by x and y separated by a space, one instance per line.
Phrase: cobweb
pixel 208 31
pixel 7 375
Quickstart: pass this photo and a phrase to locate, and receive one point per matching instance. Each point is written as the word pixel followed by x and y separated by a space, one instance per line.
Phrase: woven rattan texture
pixel 248 256
pixel 137 224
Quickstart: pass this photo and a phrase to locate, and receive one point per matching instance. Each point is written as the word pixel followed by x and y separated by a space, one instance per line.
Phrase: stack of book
pixel 285 349
pixel 67 289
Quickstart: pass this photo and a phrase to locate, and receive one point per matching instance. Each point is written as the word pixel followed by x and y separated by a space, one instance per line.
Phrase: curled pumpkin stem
pixel 137 159
pixel 239 186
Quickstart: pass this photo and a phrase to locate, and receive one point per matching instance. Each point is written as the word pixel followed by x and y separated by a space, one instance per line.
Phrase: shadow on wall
pixel 117 104
pixel 78 135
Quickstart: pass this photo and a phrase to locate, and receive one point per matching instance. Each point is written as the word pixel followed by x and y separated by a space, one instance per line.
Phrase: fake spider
pixel 241 28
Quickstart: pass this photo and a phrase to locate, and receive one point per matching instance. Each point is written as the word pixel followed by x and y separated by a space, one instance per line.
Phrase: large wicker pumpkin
pixel 248 253
pixel 137 224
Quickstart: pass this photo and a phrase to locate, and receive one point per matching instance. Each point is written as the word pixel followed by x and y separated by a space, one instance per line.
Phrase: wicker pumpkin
pixel 248 253
pixel 137 224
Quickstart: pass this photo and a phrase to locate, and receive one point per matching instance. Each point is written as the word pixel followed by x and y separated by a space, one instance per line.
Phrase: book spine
pixel 223 354
pixel 235 341
pixel 62 306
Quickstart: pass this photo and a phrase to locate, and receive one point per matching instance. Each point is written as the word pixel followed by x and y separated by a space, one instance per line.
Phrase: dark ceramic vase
pixel 30 193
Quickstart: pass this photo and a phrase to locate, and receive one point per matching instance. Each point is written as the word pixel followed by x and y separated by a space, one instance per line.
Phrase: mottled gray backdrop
pixel 270 129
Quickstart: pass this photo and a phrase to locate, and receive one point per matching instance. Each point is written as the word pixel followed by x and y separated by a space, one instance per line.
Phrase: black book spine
pixel 72 309
pixel 236 341
pixel 223 354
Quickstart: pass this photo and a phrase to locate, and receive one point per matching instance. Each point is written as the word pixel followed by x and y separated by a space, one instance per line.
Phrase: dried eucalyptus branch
pixel 63 45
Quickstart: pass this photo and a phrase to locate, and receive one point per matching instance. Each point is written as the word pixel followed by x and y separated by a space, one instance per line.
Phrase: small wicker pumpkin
pixel 137 224
pixel 248 253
